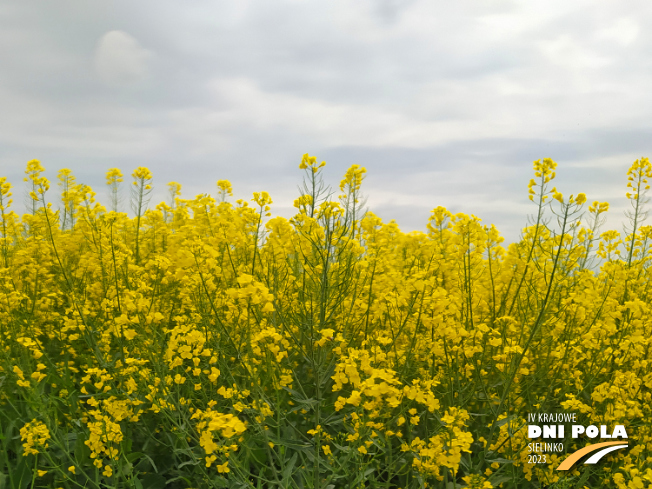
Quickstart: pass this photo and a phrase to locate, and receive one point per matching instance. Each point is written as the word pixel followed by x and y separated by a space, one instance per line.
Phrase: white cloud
pixel 624 31
pixel 566 51
pixel 120 59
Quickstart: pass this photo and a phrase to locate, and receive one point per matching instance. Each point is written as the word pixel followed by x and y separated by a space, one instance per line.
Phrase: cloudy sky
pixel 444 103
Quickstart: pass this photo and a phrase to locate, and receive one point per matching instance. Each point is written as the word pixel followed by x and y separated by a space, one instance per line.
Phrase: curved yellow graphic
pixel 570 461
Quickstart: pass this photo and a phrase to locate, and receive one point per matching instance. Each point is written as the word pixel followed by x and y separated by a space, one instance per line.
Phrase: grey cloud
pixel 446 103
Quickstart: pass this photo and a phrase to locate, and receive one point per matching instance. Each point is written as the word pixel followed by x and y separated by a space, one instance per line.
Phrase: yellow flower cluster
pixel 310 162
pixel 226 425
pixel 35 436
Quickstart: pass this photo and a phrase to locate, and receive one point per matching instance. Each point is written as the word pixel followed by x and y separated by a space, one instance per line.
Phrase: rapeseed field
pixel 203 342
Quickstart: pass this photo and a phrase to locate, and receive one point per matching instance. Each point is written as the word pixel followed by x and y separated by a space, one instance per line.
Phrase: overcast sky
pixel 444 103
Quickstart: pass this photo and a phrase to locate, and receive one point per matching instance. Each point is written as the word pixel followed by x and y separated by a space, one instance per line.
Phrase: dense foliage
pixel 205 343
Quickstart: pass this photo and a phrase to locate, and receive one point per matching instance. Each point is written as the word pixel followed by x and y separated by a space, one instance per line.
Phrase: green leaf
pixel 499 479
pixel 153 481
pixel 220 482
pixel 504 421
pixel 584 478
pixel 500 461
pixel 189 462
pixel 133 456
pixel 287 470
pixel 21 475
